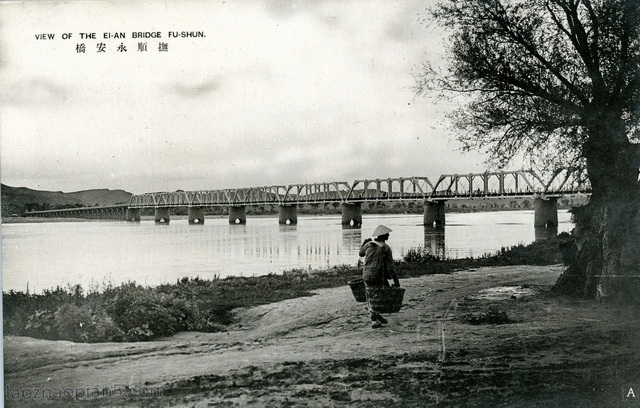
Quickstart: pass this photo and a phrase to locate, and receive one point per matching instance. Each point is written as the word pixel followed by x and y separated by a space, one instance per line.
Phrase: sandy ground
pixel 320 351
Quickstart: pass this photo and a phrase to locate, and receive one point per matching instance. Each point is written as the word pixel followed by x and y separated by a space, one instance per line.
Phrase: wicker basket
pixel 385 299
pixel 358 290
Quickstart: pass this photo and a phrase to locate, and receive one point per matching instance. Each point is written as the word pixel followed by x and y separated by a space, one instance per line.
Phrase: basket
pixel 358 290
pixel 385 299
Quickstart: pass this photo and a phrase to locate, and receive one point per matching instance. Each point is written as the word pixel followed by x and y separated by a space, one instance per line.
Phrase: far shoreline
pixel 182 217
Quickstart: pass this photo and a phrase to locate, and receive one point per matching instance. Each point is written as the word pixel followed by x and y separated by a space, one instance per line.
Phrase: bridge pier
pixel 162 215
pixel 546 212
pixel 133 214
pixel 434 213
pixel 288 214
pixel 196 215
pixel 352 215
pixel 237 215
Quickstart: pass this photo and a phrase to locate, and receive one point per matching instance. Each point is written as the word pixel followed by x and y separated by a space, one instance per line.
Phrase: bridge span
pixel 521 183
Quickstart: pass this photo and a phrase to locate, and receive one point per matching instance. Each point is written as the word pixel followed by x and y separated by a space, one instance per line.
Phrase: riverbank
pixel 132 312
pixel 320 351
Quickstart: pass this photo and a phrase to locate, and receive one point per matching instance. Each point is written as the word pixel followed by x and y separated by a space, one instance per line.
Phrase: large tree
pixel 557 81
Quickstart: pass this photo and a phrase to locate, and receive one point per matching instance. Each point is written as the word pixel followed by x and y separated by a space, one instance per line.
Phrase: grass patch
pixel 131 312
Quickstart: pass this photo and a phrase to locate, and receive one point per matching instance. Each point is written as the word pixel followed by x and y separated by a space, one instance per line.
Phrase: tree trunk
pixel 608 260
pixel 607 233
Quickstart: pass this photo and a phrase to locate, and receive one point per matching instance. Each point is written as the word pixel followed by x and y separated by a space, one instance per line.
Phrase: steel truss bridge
pixel 447 187
pixel 434 194
pixel 115 212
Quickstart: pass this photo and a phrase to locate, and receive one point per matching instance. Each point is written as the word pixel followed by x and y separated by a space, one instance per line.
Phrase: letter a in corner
pixel 631 394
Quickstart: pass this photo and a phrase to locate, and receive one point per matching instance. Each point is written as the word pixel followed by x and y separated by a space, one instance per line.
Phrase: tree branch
pixel 520 39
pixel 588 50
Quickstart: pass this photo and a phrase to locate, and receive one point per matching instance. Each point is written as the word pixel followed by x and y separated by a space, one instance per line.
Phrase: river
pixel 44 255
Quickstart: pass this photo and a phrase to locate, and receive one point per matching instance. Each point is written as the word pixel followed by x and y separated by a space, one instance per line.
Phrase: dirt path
pixel 321 351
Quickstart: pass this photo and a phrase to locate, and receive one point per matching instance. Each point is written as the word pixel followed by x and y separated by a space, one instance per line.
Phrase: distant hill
pixel 18 200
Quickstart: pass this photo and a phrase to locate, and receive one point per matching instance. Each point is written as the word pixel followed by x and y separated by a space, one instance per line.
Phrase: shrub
pixel 420 254
pixel 74 323
pixel 143 313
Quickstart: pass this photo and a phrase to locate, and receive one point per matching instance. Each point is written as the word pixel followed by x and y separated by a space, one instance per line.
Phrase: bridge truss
pixel 447 187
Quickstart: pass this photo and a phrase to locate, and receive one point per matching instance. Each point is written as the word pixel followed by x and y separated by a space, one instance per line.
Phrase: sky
pixel 277 92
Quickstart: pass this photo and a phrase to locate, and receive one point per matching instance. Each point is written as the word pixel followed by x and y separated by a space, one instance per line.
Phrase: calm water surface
pixel 44 255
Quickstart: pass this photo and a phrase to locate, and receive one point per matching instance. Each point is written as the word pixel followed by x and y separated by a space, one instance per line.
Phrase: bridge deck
pixel 447 187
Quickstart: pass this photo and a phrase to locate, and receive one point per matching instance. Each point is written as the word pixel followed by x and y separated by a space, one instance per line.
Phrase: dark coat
pixel 378 264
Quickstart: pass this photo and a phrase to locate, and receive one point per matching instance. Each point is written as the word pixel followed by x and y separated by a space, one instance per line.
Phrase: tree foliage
pixel 542 75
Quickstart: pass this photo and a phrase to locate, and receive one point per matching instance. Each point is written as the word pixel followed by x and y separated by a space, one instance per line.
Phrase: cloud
pixel 195 90
pixel 287 8
pixel 35 92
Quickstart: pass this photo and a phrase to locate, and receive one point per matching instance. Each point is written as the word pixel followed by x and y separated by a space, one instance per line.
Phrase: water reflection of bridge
pixel 433 195
pixel 434 238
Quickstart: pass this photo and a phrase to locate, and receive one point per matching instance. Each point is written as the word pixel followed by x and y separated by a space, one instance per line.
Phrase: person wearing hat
pixel 378 267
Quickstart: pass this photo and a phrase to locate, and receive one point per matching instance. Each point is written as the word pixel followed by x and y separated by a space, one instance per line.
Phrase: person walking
pixel 378 268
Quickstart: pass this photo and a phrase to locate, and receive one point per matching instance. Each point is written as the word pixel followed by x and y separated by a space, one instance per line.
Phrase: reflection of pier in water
pixel 434 240
pixel 542 233
pixel 351 238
